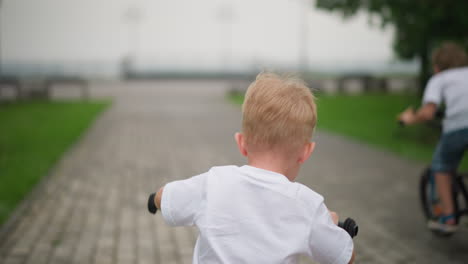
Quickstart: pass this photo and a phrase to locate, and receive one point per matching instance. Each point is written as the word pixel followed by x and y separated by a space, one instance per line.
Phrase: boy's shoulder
pixel 309 197
pixel 223 171
pixel 459 72
pixel 305 195
pixel 227 168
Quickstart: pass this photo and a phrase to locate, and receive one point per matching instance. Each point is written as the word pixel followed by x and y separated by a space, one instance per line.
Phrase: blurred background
pixel 102 102
pixel 152 38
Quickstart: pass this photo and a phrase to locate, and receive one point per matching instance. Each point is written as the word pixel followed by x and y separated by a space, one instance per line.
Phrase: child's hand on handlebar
pixel 349 225
pixel 154 201
pixel 407 116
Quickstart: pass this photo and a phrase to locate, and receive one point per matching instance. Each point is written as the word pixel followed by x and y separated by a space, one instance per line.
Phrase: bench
pixel 40 88
pixel 10 82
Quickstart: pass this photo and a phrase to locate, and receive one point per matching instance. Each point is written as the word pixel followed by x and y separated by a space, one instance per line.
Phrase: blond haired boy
pixel 257 213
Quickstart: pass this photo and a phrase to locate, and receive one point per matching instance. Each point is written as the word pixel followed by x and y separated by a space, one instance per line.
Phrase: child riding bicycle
pixel 449 86
pixel 257 213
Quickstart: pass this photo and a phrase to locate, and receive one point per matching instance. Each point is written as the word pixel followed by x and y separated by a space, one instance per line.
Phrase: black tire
pixel 456 199
pixel 428 198
pixel 426 195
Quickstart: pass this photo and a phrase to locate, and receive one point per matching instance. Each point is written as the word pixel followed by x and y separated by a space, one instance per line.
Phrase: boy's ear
pixel 240 140
pixel 306 152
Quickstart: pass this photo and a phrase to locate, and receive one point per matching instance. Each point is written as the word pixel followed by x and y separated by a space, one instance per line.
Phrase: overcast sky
pixel 185 32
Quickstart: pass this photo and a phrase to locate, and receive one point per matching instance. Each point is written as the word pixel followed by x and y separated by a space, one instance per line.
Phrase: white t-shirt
pixel 451 87
pixel 250 215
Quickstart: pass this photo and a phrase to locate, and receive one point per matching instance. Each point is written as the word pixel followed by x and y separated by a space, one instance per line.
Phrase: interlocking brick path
pixel 92 207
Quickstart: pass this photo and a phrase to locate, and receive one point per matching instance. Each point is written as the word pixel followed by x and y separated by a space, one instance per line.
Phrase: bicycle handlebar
pixel 349 225
pixel 151 206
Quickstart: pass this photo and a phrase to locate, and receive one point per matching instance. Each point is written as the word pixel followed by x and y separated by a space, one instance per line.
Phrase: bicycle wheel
pixel 430 202
pixel 428 196
pixel 456 196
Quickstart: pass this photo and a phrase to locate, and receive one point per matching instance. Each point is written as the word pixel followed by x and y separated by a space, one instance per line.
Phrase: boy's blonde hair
pixel 278 112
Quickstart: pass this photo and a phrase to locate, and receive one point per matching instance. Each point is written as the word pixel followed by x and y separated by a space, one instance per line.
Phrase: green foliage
pixel 371 119
pixel 420 25
pixel 33 136
pixel 236 98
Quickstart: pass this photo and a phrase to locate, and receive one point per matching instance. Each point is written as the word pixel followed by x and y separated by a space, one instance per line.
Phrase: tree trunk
pixel 424 72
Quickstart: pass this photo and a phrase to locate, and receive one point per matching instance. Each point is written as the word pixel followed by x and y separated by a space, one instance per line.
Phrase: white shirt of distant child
pixel 251 215
pixel 450 87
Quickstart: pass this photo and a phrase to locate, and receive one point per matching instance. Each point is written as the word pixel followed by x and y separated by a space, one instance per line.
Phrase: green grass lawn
pixel 371 119
pixel 33 136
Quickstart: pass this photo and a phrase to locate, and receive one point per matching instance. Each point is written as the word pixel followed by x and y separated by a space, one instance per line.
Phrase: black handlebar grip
pixel 401 123
pixel 350 226
pixel 151 206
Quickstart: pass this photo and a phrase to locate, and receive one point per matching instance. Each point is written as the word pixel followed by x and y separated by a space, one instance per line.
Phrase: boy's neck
pixel 275 164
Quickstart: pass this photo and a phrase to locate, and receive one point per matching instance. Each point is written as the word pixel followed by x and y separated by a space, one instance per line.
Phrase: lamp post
pixel 1 24
pixel 303 36
pixel 132 17
pixel 226 17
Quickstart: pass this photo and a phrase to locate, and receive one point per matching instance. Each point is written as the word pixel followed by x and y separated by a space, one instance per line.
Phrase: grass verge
pixel 371 119
pixel 33 136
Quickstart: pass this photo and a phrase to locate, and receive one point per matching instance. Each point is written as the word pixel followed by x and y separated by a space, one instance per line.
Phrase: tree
pixel 420 25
